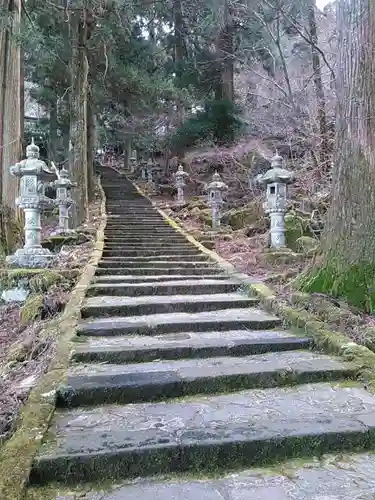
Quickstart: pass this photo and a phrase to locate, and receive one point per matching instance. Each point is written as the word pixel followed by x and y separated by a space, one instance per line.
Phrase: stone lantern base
pixel 31 258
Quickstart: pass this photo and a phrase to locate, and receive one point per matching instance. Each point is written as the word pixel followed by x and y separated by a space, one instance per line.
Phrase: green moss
pixel 282 256
pixel 295 227
pixel 32 309
pixel 307 245
pixel 35 280
pixel 355 284
pixel 239 218
pixel 14 233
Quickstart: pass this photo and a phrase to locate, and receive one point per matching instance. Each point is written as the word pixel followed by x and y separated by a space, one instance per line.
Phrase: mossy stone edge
pixel 17 454
pixel 299 321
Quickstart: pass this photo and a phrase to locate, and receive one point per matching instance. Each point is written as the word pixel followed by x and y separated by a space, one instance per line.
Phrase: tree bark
pixel 347 268
pixel 324 148
pixel 226 55
pixel 11 120
pixel 52 146
pixel 179 53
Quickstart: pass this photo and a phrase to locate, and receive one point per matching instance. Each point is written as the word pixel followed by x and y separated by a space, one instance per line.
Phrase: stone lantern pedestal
pixel 180 177
pixel 276 180
pixel 133 161
pixel 64 201
pixel 33 172
pixel 215 198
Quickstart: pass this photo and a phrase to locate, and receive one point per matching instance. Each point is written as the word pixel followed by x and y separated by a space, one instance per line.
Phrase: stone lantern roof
pixel 276 173
pixel 216 184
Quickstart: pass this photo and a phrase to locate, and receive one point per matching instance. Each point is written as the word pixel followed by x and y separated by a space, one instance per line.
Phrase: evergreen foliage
pixel 218 123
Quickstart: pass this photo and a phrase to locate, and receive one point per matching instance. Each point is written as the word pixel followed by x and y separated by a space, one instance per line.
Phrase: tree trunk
pixel 226 55
pixel 90 147
pixel 324 148
pixel 347 268
pixel 11 120
pixel 80 115
pixel 127 152
pixel 52 143
pixel 179 54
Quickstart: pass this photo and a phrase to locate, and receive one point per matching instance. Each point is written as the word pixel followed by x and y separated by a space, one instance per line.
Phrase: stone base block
pixel 31 258
pixel 67 232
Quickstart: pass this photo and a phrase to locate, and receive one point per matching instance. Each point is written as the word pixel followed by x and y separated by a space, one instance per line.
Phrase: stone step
pixel 114 279
pixel 177 287
pixel 118 262
pixel 125 252
pixel 152 238
pixel 186 345
pixel 144 271
pixel 158 246
pixel 205 433
pixel 170 258
pixel 122 236
pixel 330 478
pixel 138 221
pixel 95 384
pixel 151 229
pixel 158 324
pixel 138 226
pixel 141 212
pixel 148 229
pixel 154 304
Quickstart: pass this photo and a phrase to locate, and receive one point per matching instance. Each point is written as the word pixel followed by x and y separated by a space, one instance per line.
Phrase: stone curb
pixel 298 320
pixel 17 454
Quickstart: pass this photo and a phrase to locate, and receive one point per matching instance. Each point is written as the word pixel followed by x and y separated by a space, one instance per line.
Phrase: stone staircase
pixel 177 370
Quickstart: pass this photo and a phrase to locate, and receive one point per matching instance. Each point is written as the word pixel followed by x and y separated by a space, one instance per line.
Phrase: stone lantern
pixel 63 200
pixel 143 170
pixel 180 177
pixel 149 170
pixel 32 172
pixel 215 198
pixel 276 180
pixel 133 161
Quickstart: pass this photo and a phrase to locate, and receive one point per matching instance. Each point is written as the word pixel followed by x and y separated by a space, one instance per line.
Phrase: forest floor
pixel 28 341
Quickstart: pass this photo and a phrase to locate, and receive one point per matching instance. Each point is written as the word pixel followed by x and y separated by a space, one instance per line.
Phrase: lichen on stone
pixel 32 309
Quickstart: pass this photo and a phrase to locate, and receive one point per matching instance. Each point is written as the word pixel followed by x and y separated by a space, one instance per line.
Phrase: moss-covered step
pixel 181 287
pixel 186 345
pixel 129 226
pixel 167 240
pixel 170 258
pixel 114 279
pixel 138 218
pixel 96 384
pixel 331 477
pixel 125 252
pixel 206 433
pixel 158 324
pixel 145 231
pixel 168 245
pixel 158 263
pixel 155 304
pixel 144 271
pixel 151 236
